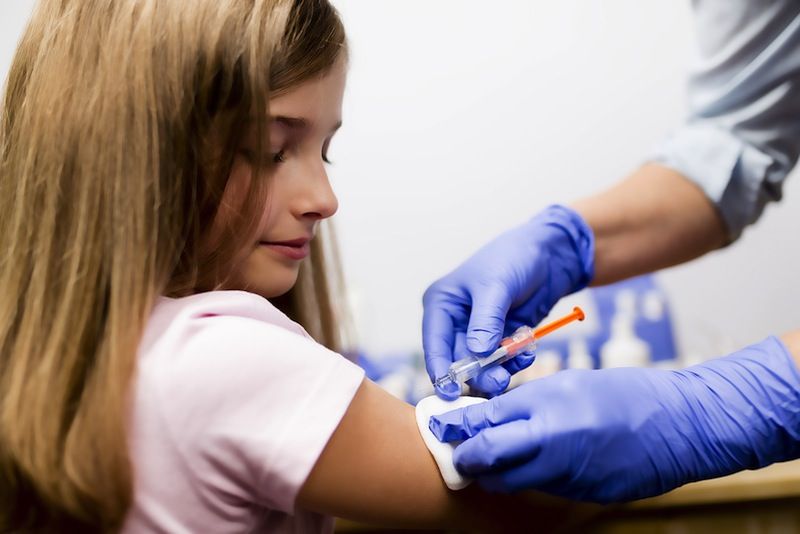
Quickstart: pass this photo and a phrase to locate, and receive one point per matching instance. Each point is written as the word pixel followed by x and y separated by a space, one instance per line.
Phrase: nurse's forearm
pixel 653 219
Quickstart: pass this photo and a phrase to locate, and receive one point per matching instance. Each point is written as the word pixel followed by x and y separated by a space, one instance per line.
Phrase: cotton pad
pixel 443 452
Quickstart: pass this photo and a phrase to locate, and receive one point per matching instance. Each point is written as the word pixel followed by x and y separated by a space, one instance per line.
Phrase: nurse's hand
pixel 623 434
pixel 513 280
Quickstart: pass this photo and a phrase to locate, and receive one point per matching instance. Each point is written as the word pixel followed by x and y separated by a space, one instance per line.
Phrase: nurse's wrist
pixel 791 341
pixel 654 218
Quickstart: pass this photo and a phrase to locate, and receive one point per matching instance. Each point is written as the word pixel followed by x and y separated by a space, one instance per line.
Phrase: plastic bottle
pixel 579 357
pixel 624 349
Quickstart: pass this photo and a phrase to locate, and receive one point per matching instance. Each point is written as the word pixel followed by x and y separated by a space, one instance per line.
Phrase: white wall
pixel 13 16
pixel 464 117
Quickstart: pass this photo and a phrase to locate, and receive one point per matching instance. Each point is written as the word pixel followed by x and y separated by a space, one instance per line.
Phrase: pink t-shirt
pixel 232 405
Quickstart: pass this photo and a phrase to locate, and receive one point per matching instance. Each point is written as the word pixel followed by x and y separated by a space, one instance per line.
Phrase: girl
pixel 161 177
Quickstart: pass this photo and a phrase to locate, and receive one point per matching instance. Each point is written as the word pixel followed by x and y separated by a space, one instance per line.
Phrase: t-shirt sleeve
pixel 250 407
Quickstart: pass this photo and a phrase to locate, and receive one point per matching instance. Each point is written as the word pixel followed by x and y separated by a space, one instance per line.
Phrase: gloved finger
pixel 490 303
pixel 463 423
pixel 533 310
pixel 498 448
pixel 492 382
pixel 460 346
pixel 451 391
pixel 521 361
pixel 495 381
pixel 448 391
pixel 438 338
pixel 535 474
pixel 512 324
pixel 527 462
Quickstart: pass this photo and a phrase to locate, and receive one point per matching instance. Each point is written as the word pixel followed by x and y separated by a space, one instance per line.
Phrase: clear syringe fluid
pixel 523 340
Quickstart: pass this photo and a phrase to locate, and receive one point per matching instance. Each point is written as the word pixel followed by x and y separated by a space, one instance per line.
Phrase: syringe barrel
pixel 501 355
pixel 471 366
pixel 464 369
pixel 523 339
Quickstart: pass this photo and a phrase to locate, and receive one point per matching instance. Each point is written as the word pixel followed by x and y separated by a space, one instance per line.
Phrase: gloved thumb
pixel 487 319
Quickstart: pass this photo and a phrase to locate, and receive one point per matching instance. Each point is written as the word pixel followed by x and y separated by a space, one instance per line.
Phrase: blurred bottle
pixel 579 357
pixel 624 349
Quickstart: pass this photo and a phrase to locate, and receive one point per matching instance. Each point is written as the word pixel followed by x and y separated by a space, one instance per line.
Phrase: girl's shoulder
pixel 173 319
pixel 223 340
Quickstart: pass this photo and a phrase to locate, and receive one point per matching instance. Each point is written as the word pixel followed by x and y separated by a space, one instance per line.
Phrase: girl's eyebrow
pixel 299 123
pixel 295 123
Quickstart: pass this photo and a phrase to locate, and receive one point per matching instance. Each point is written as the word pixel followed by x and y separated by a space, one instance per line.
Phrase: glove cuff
pixel 757 393
pixel 574 241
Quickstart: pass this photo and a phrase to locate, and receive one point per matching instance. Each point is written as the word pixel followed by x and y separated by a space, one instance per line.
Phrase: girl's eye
pixel 325 158
pixel 276 157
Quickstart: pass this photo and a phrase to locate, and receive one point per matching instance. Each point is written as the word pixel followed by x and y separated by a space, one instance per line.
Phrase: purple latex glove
pixel 513 280
pixel 622 434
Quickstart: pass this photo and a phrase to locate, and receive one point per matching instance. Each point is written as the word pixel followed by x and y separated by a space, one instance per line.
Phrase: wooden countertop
pixel 776 481
pixel 746 502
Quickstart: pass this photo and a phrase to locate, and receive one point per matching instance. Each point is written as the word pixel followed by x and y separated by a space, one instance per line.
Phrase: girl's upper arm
pixel 377 469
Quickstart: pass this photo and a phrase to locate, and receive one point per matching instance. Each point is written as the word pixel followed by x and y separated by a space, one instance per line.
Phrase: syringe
pixel 522 340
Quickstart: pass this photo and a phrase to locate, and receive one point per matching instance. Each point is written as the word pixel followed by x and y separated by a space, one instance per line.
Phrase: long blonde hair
pixel 106 193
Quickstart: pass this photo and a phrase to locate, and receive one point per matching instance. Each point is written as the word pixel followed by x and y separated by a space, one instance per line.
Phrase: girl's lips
pixel 297 249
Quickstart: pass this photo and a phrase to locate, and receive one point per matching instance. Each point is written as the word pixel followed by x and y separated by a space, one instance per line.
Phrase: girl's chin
pixel 271 287
pixel 268 279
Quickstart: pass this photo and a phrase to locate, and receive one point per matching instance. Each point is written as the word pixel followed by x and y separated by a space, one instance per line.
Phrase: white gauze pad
pixel 443 452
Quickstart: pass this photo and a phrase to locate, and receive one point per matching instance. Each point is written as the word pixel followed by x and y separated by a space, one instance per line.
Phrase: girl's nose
pixel 319 201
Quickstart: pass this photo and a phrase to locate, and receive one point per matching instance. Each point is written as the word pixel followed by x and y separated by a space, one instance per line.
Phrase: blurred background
pixel 465 117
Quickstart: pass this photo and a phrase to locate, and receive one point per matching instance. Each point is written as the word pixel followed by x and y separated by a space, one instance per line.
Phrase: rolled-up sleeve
pixel 742 136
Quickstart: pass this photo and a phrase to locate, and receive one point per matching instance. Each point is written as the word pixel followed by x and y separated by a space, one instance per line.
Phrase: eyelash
pixel 280 157
pixel 325 148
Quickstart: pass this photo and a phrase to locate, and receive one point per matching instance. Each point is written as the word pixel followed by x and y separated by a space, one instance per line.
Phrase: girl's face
pixel 301 125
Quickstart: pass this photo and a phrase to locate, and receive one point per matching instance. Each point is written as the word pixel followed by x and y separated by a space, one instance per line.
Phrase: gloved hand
pixel 513 280
pixel 622 434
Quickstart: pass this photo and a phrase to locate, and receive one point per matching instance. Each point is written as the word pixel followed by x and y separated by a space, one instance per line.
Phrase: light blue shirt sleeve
pixel 742 137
